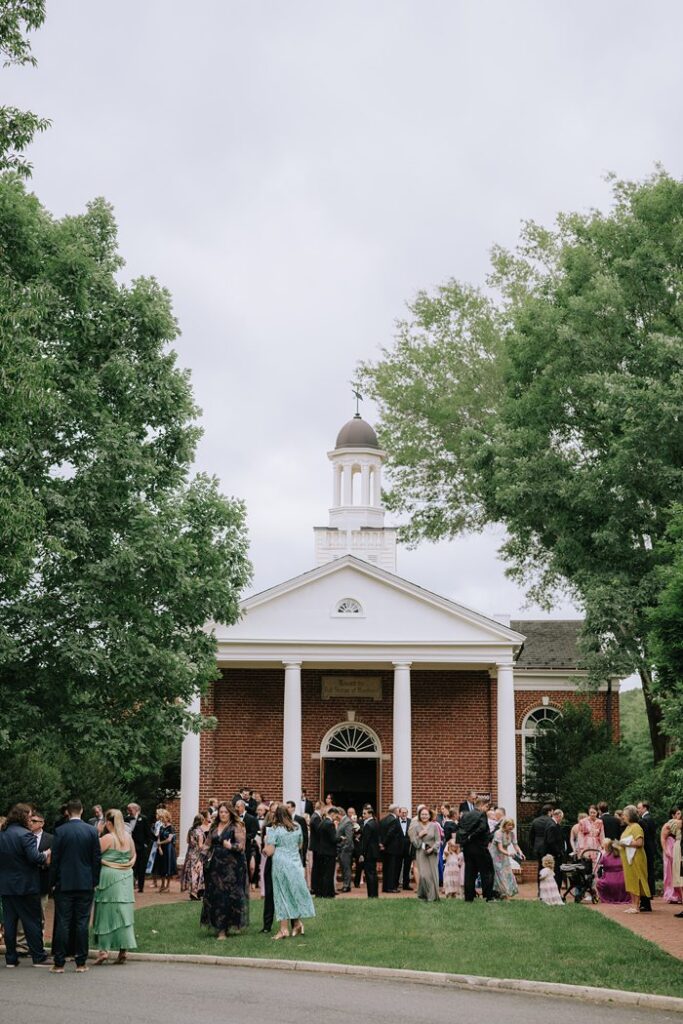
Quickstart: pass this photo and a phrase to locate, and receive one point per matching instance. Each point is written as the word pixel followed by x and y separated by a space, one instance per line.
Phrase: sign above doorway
pixel 358 687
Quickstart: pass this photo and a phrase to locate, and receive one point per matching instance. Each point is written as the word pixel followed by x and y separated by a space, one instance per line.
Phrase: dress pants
pixel 390 872
pixel 328 864
pixel 405 864
pixel 370 868
pixel 645 901
pixel 26 909
pixel 345 861
pixel 72 916
pixel 316 875
pixel 478 862
pixel 140 866
pixel 256 854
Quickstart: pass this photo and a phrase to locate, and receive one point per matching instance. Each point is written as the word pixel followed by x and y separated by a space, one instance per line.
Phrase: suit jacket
pixel 555 841
pixel 465 807
pixel 301 822
pixel 537 835
pixel 76 857
pixel 408 850
pixel 250 823
pixel 46 841
pixel 612 825
pixel 473 828
pixel 327 838
pixel 315 823
pixel 141 833
pixel 20 862
pixel 308 807
pixel 369 840
pixel 649 828
pixel 391 835
pixel 345 835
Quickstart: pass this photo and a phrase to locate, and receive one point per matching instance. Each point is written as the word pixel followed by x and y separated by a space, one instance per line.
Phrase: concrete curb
pixel 472 982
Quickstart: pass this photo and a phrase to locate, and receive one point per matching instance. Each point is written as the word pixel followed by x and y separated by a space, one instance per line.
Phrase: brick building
pixel 353 681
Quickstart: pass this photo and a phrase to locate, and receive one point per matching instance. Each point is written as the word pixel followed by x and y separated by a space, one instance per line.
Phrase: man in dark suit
pixel 474 836
pixel 555 843
pixel 301 822
pixel 538 837
pixel 370 852
pixel 327 852
pixel 650 846
pixel 141 833
pixel 407 853
pixel 76 861
pixel 305 805
pixel 345 848
pixel 20 865
pixel 314 845
pixel 468 802
pixel 612 825
pixel 250 822
pixel 391 842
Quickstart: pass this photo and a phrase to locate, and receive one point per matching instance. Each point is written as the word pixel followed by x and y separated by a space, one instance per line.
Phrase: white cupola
pixel 356 524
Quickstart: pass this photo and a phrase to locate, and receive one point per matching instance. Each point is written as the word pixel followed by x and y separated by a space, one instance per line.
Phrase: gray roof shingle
pixel 549 644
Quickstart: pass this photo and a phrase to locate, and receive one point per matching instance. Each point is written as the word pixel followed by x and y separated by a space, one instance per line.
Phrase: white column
pixel 337 485
pixel 365 485
pixel 378 486
pixel 507 761
pixel 291 736
pixel 348 485
pixel 189 779
pixel 402 757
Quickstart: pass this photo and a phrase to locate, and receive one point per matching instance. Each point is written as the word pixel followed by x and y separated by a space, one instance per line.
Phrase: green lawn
pixel 512 940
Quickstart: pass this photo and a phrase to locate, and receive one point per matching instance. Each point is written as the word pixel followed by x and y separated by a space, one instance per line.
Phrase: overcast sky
pixel 294 171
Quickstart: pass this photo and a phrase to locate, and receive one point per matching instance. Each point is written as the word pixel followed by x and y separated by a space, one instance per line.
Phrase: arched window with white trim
pixel 348 607
pixel 351 739
pixel 535 721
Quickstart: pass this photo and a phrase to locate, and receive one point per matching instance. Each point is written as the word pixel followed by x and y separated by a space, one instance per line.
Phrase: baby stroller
pixel 578 876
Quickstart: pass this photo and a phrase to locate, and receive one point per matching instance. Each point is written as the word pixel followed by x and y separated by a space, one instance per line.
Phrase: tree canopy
pixel 550 402
pixel 113 557
pixel 17 127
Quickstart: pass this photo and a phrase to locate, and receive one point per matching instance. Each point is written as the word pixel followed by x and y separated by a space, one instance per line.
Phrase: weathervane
pixel 355 388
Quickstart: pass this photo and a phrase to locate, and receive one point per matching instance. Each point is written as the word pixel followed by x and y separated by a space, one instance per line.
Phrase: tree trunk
pixel 654 717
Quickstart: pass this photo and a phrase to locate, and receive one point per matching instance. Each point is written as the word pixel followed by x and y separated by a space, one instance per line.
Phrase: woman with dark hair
pixel 225 873
pixel 165 862
pixel 425 836
pixel 192 877
pixel 292 899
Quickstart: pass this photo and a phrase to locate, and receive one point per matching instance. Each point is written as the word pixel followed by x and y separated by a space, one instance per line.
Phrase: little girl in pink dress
pixel 452 869
pixel 548 891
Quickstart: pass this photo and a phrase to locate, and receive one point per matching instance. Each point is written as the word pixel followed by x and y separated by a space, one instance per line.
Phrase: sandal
pixel 100 959
pixel 280 935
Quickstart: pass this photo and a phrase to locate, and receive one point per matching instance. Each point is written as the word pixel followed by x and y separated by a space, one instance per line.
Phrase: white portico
pixel 350 641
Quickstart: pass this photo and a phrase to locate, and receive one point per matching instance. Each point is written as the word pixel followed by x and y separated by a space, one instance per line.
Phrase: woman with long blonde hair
pixel 113 923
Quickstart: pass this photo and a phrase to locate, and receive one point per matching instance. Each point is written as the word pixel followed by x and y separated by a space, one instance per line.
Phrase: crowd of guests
pixel 296 852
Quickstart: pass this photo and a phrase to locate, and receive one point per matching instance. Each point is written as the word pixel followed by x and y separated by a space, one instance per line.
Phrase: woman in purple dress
pixel 610 882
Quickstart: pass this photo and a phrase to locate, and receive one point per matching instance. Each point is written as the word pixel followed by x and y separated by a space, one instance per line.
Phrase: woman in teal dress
pixel 290 893
pixel 114 895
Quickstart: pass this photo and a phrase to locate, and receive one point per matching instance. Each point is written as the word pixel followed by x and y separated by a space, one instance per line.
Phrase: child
pixel 452 870
pixel 548 891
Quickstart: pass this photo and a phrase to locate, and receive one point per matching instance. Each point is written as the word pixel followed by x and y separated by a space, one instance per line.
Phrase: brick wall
pixel 453 721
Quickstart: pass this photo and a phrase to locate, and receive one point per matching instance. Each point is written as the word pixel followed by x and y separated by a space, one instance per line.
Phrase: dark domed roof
pixel 357 434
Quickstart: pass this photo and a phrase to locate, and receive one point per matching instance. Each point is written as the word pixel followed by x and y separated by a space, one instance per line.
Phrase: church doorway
pixel 350 759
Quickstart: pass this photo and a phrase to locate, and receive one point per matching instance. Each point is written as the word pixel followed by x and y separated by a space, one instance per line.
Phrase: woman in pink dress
pixel 590 835
pixel 610 883
pixel 671 857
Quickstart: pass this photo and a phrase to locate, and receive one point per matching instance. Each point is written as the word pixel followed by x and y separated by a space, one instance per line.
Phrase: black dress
pixel 226 903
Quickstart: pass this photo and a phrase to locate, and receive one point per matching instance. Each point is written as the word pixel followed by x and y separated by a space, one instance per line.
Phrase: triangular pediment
pixel 391 610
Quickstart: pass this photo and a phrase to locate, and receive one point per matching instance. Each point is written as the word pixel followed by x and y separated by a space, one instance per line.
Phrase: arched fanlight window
pixel 350 739
pixel 348 606
pixel 537 719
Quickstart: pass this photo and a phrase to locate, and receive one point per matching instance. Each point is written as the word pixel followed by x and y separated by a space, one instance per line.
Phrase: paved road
pixel 147 993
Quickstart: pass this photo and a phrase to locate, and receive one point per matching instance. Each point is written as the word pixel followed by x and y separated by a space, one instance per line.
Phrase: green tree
pixel 113 557
pixel 551 404
pixel 602 775
pixel 635 735
pixel 666 627
pixel 560 746
pixel 18 127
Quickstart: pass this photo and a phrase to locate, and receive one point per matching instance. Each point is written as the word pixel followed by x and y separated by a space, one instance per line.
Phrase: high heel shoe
pixel 298 929
pixel 280 935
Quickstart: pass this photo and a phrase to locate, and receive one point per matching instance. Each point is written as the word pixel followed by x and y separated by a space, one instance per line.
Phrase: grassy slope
pixel 573 944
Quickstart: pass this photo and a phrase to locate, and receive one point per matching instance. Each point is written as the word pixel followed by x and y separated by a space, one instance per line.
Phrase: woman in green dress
pixel 633 860
pixel 114 895
pixel 291 897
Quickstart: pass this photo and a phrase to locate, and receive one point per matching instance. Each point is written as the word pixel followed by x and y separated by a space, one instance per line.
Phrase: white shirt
pixel 38 836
